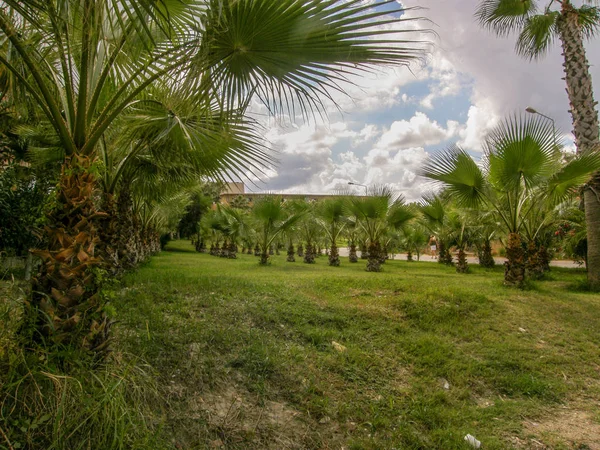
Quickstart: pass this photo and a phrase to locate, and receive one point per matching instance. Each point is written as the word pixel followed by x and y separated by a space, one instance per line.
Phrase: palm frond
pixel 537 35
pixel 505 16
pixel 248 45
pixel 460 175
pixel 521 150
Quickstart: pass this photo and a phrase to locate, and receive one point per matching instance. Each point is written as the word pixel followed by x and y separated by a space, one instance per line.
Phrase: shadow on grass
pixel 171 249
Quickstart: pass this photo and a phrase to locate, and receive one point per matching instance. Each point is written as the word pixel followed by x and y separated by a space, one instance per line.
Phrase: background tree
pixel 331 215
pixel 270 220
pixel 524 172
pixel 539 23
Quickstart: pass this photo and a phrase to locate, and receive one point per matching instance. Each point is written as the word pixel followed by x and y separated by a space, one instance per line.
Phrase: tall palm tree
pixel 88 64
pixel 539 23
pixel 523 171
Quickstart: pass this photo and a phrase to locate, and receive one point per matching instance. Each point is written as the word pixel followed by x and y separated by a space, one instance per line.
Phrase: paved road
pixel 472 259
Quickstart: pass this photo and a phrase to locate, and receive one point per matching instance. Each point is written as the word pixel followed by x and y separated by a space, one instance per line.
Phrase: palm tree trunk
pixel 352 253
pixel 256 250
pixel 409 256
pixel 514 267
pixel 232 250
pixel 334 256
pixel 66 310
pixel 109 234
pixel 300 250
pixel 364 253
pixel 533 267
pixel 585 125
pixel 264 258
pixel 461 265
pixel 290 253
pixel 373 262
pixel 485 256
pixel 126 242
pixel 309 256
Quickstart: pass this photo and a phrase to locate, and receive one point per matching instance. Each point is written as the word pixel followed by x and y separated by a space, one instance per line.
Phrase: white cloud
pixel 418 131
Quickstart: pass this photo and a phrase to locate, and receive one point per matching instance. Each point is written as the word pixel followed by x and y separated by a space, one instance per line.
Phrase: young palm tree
pixel 523 172
pixel 372 214
pixel 331 215
pixel 271 219
pixel 434 210
pixel 414 239
pixel 88 64
pixel 309 230
pixel 539 23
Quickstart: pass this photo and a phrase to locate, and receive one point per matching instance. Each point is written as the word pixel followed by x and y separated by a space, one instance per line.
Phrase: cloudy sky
pixel 392 120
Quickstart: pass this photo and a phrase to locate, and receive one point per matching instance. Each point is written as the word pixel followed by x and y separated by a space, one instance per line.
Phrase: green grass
pixel 245 359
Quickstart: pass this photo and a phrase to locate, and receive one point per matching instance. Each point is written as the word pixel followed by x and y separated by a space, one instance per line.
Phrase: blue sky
pixel 394 119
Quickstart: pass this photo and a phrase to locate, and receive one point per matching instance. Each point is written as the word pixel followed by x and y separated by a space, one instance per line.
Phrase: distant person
pixel 433 246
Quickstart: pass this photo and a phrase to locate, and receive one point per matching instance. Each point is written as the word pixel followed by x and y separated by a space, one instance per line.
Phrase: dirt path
pixel 473 259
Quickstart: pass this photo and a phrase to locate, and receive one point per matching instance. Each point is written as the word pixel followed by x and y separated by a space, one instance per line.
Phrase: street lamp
pixel 531 110
pixel 357 184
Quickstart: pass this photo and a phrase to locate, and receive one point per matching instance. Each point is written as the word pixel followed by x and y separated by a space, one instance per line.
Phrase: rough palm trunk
pixel 352 256
pixel 334 256
pixel 233 249
pixel 66 310
pixel 533 267
pixel 290 253
pixel 485 256
pixel 585 125
pixel 373 262
pixel 444 255
pixel 409 256
pixel 224 253
pixel 264 257
pixel 300 250
pixel 126 241
pixel 364 253
pixel 108 234
pixel 309 255
pixel 383 254
pixel 514 267
pixel 256 250
pixel 249 251
pixel 461 265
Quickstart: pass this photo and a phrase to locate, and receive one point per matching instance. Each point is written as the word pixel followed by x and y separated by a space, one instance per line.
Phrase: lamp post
pixel 531 110
pixel 357 184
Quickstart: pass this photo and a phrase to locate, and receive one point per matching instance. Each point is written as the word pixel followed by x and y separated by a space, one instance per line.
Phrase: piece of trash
pixel 522 330
pixel 339 347
pixel 472 441
pixel 446 384
pixel 325 420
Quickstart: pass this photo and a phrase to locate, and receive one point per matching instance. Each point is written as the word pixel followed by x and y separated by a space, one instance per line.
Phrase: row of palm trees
pixel 516 194
pixel 135 99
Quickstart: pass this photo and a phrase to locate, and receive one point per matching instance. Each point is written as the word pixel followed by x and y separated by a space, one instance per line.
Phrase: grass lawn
pixel 246 358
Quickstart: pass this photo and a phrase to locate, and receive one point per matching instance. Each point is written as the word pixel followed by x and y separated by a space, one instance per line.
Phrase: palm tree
pixel 523 171
pixel 434 210
pixel 331 215
pixel 372 214
pixel 484 229
pixel 309 230
pixel 90 64
pixel 537 28
pixel 414 239
pixel 271 219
